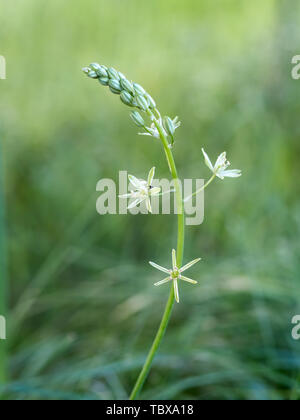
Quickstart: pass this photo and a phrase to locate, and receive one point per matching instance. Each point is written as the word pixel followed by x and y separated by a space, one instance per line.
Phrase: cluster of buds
pixel 135 96
pixel 131 94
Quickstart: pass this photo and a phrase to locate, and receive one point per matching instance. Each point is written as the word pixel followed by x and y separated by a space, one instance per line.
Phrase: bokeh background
pixel 81 307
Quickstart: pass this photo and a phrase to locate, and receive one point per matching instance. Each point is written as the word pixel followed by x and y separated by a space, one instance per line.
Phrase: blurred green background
pixel 82 310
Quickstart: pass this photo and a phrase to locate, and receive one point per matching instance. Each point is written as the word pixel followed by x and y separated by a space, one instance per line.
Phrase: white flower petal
pixel 125 195
pixel 220 175
pixel 151 176
pixel 176 122
pixel 188 280
pixel 233 173
pixel 189 265
pixel 151 131
pixel 145 134
pixel 207 160
pixel 160 268
pixel 221 161
pixel 137 183
pixel 176 292
pixel 154 191
pixel 174 261
pixel 135 203
pixel 166 280
pixel 148 205
pixel 134 193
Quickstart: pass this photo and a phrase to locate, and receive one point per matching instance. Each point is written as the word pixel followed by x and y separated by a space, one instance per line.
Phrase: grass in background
pixel 82 299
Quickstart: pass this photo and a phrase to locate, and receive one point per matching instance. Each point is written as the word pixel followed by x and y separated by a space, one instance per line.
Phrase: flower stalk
pixel 179 258
pixel 135 96
pixel 201 188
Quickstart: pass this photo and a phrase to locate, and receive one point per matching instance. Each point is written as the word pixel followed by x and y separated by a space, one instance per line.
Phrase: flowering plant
pixel 163 128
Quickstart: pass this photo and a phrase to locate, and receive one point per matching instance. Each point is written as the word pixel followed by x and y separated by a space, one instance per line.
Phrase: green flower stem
pixel 180 249
pixel 200 189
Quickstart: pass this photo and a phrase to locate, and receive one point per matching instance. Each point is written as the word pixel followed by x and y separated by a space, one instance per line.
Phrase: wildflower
pixel 143 190
pixel 221 165
pixel 175 273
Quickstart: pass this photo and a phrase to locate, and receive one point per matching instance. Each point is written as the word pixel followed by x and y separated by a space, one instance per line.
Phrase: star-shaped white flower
pixel 175 273
pixel 221 165
pixel 143 191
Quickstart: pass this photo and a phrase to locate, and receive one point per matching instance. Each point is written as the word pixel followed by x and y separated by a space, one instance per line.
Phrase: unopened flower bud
pixel 139 89
pixel 115 86
pixel 121 75
pixel 152 103
pixel 126 85
pixel 90 73
pixel 113 74
pixel 102 72
pixel 104 81
pixel 86 70
pixel 126 98
pixel 169 126
pixel 142 102
pixel 137 119
pixel 95 66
